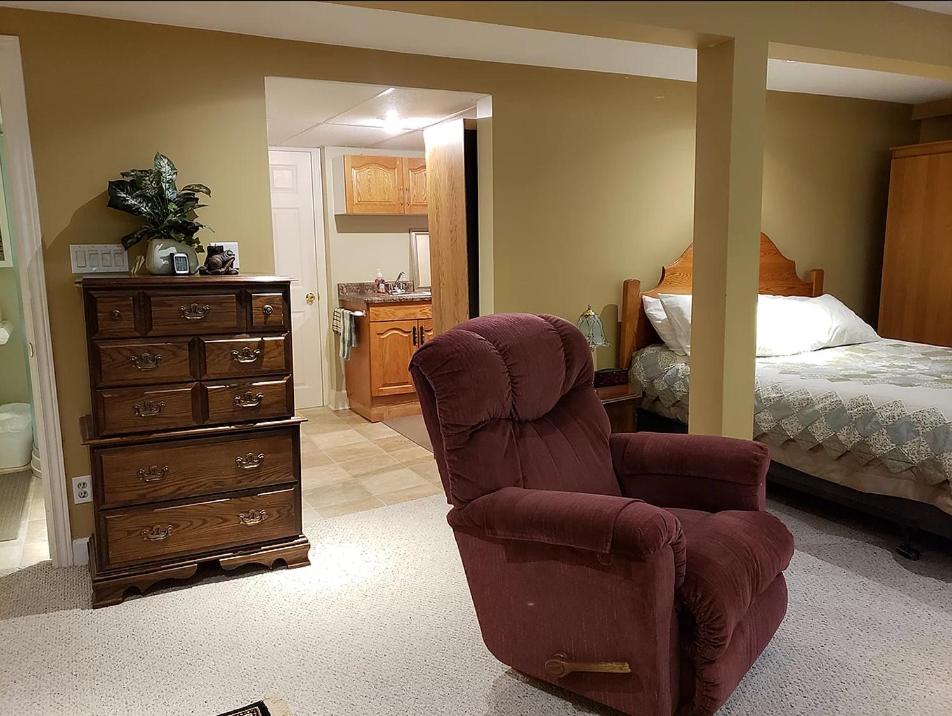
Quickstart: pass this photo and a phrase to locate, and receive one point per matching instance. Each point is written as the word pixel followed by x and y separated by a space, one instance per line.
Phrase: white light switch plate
pixel 98 258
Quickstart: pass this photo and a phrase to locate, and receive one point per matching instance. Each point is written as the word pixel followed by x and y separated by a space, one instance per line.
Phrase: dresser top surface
pixel 126 281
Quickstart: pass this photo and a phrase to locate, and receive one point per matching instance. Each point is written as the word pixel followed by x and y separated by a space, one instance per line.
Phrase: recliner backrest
pixel 508 402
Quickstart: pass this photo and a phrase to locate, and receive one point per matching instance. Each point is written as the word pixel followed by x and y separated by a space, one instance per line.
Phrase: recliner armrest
pixel 695 471
pixel 603 524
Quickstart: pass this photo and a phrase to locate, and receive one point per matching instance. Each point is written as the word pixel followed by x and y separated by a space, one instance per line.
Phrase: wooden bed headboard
pixel 778 276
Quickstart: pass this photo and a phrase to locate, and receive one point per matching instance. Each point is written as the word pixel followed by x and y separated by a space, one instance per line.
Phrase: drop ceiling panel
pixel 417 108
pixel 294 105
pixel 336 135
pixel 409 141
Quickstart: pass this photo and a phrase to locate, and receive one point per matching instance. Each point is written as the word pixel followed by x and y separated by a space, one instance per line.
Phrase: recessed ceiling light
pixel 391 122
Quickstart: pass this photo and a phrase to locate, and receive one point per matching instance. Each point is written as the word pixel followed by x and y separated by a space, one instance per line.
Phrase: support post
pixel 731 108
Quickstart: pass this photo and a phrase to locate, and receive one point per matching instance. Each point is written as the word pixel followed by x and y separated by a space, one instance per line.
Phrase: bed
pixel 867 425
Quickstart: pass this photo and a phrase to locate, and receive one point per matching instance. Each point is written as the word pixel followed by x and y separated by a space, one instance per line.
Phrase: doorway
pixel 31 454
pixel 367 212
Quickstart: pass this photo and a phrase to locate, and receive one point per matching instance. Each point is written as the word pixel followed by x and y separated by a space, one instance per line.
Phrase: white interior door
pixel 296 256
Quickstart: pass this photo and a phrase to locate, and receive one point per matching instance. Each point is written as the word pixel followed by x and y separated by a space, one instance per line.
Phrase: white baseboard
pixel 80 553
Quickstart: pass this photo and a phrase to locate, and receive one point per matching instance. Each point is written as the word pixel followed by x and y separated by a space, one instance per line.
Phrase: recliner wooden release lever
pixel 560 666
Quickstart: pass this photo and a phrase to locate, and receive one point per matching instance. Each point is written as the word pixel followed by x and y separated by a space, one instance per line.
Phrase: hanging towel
pixel 345 325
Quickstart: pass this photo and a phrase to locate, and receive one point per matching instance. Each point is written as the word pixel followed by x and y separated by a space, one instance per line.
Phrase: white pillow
pixel 786 325
pixel 677 307
pixel 659 321
pixel 796 324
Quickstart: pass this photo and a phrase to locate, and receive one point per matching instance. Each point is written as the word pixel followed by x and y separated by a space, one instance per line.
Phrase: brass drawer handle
pixel 560 666
pixel 248 400
pixel 158 533
pixel 250 461
pixel 246 355
pixel 146 361
pixel 195 312
pixel 252 517
pixel 149 408
pixel 153 473
pixel 267 310
pixel 116 314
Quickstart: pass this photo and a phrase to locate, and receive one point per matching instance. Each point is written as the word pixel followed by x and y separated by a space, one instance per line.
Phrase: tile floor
pixel 350 465
pixel 347 465
pixel 31 544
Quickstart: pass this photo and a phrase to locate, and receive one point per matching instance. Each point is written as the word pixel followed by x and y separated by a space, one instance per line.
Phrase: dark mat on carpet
pixel 412 428
pixel 269 706
pixel 14 492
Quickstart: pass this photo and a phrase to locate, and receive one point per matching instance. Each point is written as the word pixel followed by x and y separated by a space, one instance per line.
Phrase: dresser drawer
pixel 137 362
pixel 145 534
pixel 114 314
pixel 185 314
pixel 193 468
pixel 136 410
pixel 237 357
pixel 247 400
pixel 268 311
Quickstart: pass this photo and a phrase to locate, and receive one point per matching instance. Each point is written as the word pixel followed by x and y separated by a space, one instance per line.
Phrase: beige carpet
pixel 382 623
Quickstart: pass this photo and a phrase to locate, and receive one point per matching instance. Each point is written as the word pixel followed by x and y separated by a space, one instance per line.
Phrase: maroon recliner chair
pixel 638 570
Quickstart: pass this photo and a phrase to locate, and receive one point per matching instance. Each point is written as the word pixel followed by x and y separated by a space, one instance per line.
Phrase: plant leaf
pixel 124 197
pixel 167 174
pixel 130 240
pixel 198 189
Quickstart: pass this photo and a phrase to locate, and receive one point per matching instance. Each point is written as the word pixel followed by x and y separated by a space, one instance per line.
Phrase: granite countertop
pixel 371 297
pixel 364 293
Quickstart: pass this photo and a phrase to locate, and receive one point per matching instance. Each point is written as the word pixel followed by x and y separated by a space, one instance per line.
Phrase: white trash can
pixel 16 436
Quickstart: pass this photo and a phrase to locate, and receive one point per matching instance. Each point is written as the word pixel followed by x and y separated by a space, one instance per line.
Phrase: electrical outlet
pixel 82 489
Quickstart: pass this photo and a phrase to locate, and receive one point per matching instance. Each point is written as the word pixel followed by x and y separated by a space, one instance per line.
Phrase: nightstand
pixel 621 403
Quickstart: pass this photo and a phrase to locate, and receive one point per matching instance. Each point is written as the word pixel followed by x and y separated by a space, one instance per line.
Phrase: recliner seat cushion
pixel 732 557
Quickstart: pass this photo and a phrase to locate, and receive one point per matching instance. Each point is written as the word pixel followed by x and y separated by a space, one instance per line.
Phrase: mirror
pixel 420 259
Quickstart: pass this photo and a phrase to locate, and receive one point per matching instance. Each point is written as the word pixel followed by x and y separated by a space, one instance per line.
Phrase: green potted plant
pixel 168 212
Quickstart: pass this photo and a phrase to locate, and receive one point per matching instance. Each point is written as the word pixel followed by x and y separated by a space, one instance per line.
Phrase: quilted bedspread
pixel 887 401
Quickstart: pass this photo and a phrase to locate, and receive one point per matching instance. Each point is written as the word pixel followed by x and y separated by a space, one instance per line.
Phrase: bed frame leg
pixel 906 548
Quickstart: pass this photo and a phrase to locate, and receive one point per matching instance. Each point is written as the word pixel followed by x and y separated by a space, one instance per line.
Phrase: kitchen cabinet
pixel 384 185
pixel 377 377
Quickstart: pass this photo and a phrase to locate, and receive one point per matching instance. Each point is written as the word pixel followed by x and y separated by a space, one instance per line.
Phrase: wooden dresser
pixel 194 447
pixel 916 299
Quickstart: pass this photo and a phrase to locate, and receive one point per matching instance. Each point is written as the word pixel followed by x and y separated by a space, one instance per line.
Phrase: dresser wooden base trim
pixel 113 586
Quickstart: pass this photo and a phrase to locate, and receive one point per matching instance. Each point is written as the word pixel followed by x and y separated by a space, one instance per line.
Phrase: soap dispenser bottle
pixel 380 283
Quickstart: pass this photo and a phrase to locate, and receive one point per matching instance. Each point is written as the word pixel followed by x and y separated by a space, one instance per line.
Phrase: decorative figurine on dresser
pixel 193 442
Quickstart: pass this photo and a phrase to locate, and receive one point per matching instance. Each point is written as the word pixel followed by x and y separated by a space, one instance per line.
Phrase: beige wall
pixel 935 129
pixel 14 377
pixel 593 173
pixel 826 178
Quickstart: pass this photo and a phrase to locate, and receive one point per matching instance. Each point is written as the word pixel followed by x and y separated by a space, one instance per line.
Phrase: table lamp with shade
pixel 593 329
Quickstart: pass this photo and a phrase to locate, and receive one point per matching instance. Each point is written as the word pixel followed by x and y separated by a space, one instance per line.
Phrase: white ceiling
pixel 335 24
pixel 943 6
pixel 315 113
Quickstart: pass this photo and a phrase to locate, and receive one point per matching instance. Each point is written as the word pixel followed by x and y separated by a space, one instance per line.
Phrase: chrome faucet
pixel 393 287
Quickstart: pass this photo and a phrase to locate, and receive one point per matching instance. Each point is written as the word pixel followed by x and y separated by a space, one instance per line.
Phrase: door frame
pixel 28 253
pixel 320 239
